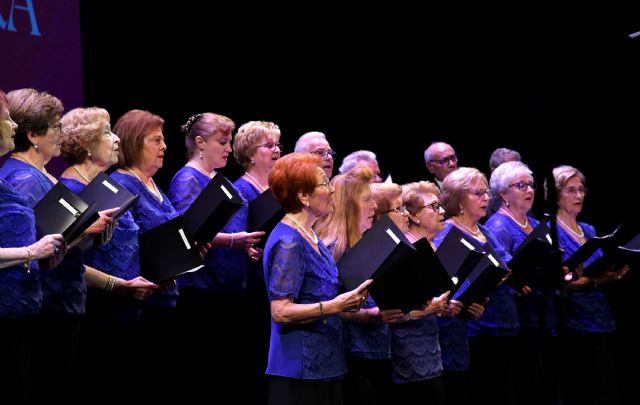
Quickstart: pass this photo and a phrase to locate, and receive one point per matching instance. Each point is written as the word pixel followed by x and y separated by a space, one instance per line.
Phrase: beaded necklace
pixel 526 220
pixel 312 236
pixel 253 179
pixel 476 233
pixel 154 191
pixel 81 174
pixel 43 170
pixel 565 226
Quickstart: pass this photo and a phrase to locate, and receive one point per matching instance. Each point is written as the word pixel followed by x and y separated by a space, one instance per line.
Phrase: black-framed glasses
pixel 445 160
pixel 402 210
pixel 323 153
pixel 479 192
pixel 271 146
pixel 435 206
pixel 575 190
pixel 522 185
pixel 56 127
pixel 326 183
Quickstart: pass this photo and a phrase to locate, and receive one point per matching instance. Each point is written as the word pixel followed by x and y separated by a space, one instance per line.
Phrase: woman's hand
pixel 352 301
pixel 47 246
pixel 454 308
pixel 476 310
pixel 58 256
pixel 245 240
pixel 139 287
pixel 255 253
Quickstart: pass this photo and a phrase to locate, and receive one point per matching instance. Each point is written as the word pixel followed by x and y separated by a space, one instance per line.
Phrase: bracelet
pixel 322 315
pixel 231 243
pixel 111 282
pixel 27 262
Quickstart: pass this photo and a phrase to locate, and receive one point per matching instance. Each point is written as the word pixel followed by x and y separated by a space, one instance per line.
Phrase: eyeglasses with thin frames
pixel 522 185
pixel 445 160
pixel 435 206
pixel 323 153
pixel 326 183
pixel 271 146
pixel 479 192
pixel 402 210
pixel 575 190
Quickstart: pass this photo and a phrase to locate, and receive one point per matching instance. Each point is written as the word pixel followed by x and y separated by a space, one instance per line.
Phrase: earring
pixel 417 221
pixel 308 203
pixel 253 162
pixel 506 202
pixel 35 146
pixel 88 153
pixel 201 155
pixel 461 211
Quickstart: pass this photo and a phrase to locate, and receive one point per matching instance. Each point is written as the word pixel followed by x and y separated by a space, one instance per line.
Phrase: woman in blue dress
pixel 306 355
pixel 115 287
pixel 20 290
pixel 590 375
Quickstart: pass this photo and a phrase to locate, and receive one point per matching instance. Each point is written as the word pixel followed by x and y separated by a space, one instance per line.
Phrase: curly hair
pixel 82 129
pixel 249 136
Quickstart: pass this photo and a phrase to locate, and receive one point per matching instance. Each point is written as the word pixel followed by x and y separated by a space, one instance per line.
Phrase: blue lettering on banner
pixel 28 7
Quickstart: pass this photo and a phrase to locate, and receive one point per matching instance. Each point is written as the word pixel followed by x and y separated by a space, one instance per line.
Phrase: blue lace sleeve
pixel 185 187
pixel 286 271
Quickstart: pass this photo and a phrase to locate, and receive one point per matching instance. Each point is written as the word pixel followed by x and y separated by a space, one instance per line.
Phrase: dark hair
pixel 132 128
pixel 33 111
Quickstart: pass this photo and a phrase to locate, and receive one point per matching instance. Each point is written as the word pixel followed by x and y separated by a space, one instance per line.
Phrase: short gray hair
pixel 352 159
pixel 501 155
pixel 305 139
pixel 504 174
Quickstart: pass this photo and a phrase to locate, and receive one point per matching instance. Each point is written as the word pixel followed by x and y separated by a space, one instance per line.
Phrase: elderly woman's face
pixel 399 215
pixel 520 193
pixel 431 215
pixel 268 150
pixel 571 196
pixel 367 207
pixel 105 151
pixel 7 132
pixel 49 144
pixel 476 200
pixel 153 147
pixel 321 199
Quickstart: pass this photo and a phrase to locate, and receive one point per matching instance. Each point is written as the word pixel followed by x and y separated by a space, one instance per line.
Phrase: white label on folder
pixel 549 239
pixel 467 244
pixel 184 238
pixel 393 236
pixel 110 186
pixel 69 207
pixel 223 188
pixel 454 279
pixel 493 260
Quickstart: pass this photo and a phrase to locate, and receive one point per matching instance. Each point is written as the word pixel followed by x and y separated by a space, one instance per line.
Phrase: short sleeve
pixel 286 272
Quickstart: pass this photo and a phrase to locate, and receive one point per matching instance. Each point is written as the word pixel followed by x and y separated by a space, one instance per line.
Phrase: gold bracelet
pixel 322 315
pixel 27 262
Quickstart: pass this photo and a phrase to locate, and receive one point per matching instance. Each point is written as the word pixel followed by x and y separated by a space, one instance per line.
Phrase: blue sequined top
pixel 587 308
pixel 119 257
pixel 511 235
pixel 294 270
pixel 148 212
pixel 63 288
pixel 225 269
pixel 415 350
pixel 20 291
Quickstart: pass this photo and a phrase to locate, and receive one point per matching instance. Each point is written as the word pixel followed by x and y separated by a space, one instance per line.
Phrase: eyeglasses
pixel 326 183
pixel 56 127
pixel 435 206
pixel 522 185
pixel 402 210
pixel 271 146
pixel 574 190
pixel 445 160
pixel 480 192
pixel 323 153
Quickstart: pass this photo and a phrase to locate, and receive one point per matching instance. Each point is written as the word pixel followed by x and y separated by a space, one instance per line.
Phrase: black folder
pixel 459 255
pixel 264 213
pixel 62 211
pixel 585 251
pixel 615 258
pixel 212 209
pixel 431 277
pixel 107 193
pixel 168 251
pixel 483 279
pixel 380 249
pixel 534 260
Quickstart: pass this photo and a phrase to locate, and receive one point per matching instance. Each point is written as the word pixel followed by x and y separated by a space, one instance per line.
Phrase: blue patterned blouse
pixel 415 350
pixel 119 257
pixel 293 269
pixel 587 308
pixel 148 212
pixel 63 288
pixel 511 235
pixel 20 291
pixel 224 269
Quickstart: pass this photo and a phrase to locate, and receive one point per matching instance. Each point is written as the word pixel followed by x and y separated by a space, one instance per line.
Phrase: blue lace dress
pixel 120 258
pixel 511 236
pixel 148 212
pixel 224 269
pixel 20 291
pixel 293 269
pixel 587 308
pixel 63 288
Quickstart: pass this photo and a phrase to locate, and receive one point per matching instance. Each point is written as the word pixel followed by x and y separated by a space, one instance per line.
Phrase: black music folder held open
pixel 585 251
pixel 264 213
pixel 615 257
pixel 377 256
pixel 431 277
pixel 483 279
pixel 534 260
pixel 107 193
pixel 168 251
pixel 459 255
pixel 212 209
pixel 62 211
